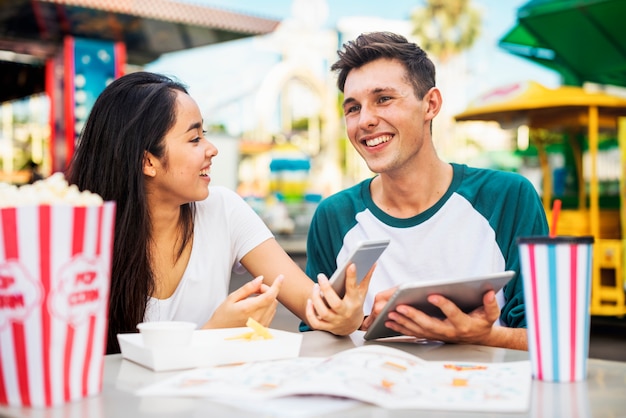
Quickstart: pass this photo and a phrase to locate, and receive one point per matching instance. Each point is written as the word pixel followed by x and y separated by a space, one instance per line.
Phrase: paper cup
pixel 556 274
pixel 55 263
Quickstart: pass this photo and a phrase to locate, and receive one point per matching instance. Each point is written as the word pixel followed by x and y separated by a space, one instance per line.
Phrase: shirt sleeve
pixel 529 220
pixel 247 228
pixel 320 254
pixel 324 239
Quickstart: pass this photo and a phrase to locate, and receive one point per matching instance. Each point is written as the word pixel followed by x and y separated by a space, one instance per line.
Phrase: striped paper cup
pixel 556 273
pixel 55 263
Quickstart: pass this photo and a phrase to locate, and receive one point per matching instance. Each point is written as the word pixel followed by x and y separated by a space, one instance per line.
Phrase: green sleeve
pixel 332 219
pixel 529 219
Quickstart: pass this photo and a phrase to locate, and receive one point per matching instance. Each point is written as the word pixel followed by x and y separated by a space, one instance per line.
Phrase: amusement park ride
pixel 582 120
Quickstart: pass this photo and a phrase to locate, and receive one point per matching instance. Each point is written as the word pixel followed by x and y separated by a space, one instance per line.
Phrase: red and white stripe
pixel 54 353
pixel 557 296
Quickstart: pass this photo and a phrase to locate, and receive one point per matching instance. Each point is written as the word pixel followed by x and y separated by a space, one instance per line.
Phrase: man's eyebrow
pixel 348 100
pixel 376 90
pixel 383 89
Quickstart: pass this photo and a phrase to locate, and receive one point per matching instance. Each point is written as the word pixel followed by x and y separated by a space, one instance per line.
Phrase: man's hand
pixel 457 327
pixel 380 300
pixel 327 311
pixel 476 327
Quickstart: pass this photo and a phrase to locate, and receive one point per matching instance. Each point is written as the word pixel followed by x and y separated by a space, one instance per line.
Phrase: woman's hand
pixel 254 300
pixel 327 311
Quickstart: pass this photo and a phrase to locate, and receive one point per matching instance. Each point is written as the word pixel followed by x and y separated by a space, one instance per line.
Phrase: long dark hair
pixel 368 47
pixel 131 116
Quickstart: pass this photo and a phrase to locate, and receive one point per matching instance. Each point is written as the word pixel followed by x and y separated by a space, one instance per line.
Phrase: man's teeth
pixel 204 173
pixel 378 140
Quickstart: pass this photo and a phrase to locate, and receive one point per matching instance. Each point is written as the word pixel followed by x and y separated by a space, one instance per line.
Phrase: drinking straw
pixel 556 208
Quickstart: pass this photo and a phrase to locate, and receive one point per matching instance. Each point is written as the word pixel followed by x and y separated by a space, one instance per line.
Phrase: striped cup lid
pixel 560 239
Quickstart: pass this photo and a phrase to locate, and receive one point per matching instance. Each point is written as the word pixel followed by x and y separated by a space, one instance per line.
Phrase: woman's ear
pixel 149 168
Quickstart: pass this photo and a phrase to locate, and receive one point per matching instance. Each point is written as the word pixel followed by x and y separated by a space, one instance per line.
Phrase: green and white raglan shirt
pixel 470 231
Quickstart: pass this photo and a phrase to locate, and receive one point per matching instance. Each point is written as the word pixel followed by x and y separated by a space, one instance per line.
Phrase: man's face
pixel 385 121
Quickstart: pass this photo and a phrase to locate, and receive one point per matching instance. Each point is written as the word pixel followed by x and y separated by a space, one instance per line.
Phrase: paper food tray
pixel 210 348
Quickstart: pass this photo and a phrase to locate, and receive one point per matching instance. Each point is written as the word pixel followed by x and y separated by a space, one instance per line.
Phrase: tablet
pixel 363 256
pixel 466 293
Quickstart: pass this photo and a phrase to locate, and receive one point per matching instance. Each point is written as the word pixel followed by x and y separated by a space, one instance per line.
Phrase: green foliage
pixel 301 124
pixel 446 27
pixel 216 128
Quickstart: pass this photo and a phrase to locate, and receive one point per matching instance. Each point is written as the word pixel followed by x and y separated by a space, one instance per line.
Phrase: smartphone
pixel 363 256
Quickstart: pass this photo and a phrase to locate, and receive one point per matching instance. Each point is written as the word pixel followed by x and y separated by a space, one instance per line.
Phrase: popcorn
pixel 50 191
pixel 56 246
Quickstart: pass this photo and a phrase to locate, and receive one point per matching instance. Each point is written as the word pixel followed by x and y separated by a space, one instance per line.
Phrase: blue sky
pixel 214 73
pixel 498 17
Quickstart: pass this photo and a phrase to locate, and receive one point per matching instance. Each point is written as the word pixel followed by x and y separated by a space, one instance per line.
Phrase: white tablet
pixel 466 293
pixel 363 256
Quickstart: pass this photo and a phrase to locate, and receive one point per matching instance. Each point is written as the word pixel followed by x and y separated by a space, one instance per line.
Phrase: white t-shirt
pixel 226 229
pixel 472 230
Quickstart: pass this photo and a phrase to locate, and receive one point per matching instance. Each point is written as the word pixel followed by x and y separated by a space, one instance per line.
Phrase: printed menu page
pixel 380 375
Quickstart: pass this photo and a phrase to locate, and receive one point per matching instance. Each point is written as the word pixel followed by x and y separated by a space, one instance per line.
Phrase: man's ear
pixel 432 102
pixel 149 169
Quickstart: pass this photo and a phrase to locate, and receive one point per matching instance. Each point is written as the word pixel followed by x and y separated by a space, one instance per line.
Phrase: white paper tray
pixel 210 348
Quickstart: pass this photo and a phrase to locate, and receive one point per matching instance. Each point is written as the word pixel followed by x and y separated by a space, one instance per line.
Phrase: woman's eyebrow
pixel 194 126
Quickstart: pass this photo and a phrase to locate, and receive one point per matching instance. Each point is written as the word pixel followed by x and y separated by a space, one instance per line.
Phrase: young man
pixel 444 220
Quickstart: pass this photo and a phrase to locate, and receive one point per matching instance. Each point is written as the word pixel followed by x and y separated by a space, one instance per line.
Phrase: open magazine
pixel 380 375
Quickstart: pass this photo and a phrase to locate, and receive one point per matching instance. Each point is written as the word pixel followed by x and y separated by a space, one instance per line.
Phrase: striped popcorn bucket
pixel 55 263
pixel 556 273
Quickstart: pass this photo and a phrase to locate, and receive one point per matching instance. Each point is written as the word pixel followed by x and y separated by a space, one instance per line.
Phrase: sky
pixel 220 74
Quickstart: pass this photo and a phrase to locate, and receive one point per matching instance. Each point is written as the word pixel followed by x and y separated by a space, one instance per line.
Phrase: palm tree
pixel 446 27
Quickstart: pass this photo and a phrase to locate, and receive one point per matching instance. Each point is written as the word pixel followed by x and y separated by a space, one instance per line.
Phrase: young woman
pixel 177 239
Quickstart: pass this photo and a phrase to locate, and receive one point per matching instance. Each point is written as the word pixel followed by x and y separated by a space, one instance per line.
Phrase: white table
pixel 603 394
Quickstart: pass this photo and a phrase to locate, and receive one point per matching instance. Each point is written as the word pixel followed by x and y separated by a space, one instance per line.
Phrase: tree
pixel 446 27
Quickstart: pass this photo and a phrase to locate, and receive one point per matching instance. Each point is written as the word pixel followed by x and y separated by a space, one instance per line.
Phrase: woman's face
pixel 182 174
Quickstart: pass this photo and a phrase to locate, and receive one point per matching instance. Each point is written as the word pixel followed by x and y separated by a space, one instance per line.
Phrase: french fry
pixel 259 332
pixel 259 329
pixel 244 336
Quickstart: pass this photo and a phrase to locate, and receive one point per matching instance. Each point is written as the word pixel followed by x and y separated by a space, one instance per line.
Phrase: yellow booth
pixel 574 113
